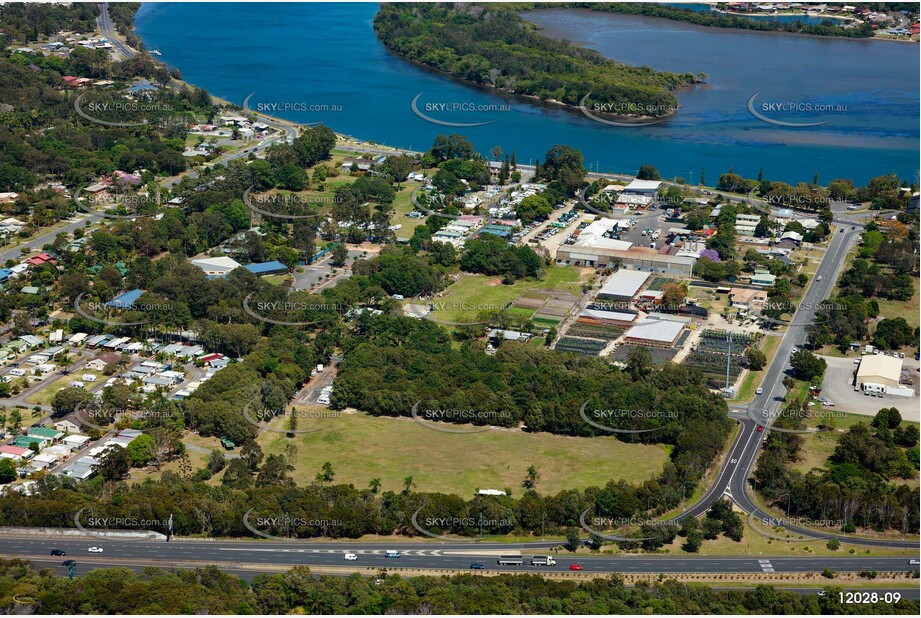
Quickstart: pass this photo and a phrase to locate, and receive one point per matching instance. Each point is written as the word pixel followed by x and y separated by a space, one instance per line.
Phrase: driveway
pixel 838 386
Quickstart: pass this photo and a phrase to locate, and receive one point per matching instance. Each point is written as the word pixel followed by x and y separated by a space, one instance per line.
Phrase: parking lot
pixel 838 386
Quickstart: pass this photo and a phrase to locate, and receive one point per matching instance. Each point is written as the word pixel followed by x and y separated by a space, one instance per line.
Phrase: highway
pixel 283 555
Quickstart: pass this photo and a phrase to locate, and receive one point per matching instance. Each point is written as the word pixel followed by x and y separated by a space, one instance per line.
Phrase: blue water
pixel 328 55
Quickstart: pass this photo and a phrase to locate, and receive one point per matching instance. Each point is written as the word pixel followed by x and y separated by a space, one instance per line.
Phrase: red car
pixel 575 567
pixel 760 428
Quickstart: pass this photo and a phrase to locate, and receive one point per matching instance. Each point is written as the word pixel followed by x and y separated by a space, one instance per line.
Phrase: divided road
pixel 283 555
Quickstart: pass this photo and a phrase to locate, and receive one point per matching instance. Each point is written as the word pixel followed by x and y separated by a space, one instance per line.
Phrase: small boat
pixel 156 52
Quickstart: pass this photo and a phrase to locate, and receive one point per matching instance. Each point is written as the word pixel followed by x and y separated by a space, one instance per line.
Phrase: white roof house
pixel 76 440
pixel 77 338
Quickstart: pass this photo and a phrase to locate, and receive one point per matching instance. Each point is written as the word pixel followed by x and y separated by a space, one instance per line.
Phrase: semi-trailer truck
pixel 511 560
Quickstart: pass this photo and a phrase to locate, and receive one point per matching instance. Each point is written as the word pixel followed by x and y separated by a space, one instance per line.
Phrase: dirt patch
pixel 493 282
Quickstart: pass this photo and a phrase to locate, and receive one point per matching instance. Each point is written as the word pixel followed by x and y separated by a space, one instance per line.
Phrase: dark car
pixel 58 552
pixel 477 566
pixel 69 563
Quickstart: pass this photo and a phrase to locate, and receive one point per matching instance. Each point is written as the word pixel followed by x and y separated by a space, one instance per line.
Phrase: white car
pixel 913 562
pixel 95 550
pixel 759 390
pixel 351 556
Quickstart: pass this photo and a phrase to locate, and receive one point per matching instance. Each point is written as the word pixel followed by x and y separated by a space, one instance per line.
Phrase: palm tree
pixel 530 481
pixel 408 485
pixel 375 485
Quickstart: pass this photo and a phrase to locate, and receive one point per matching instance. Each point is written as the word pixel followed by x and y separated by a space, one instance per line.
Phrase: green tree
pixel 142 450
pixel 756 358
pixel 326 474
pixel 340 254
pixel 7 471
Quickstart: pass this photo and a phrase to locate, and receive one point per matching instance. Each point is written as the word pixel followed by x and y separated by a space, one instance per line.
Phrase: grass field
pixel 901 308
pixel 44 396
pixel 464 299
pixel 818 447
pixel 402 206
pixel 362 447
pixel 29 416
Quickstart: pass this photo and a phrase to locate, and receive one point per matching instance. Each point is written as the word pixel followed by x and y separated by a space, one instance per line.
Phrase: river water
pixel 323 63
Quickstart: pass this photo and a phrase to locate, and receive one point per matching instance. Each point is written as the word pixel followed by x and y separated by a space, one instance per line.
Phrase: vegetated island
pixel 711 19
pixel 492 46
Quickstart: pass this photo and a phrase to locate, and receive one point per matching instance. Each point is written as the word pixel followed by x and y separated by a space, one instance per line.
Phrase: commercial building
pixel 595 248
pixel 655 332
pixel 216 267
pixel 879 370
pixel 267 268
pixel 744 298
pixel 643 187
pixel 126 300
pixel 623 285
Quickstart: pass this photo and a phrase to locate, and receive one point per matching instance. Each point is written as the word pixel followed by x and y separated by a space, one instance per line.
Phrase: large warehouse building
pixel 655 332
pixel 879 370
pixel 594 249
pixel 623 285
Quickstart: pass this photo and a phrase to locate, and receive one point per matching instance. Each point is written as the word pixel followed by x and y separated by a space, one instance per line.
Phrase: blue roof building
pixel 267 268
pixel 5 273
pixel 126 300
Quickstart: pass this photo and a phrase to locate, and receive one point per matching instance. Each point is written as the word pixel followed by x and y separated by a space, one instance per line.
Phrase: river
pixel 323 63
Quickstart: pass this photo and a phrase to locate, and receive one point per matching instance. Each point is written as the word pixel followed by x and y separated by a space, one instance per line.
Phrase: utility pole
pixel 728 356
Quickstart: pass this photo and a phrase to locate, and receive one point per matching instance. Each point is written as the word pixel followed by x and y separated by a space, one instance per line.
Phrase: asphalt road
pixel 283 555
pixel 759 411
pixel 46 238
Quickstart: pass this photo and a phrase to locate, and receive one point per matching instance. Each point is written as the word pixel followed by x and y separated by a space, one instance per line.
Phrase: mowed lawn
pixel 362 447
pixel 44 396
pixel 402 206
pixel 467 297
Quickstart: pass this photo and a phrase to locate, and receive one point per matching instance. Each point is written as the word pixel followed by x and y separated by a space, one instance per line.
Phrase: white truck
pixel 542 561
